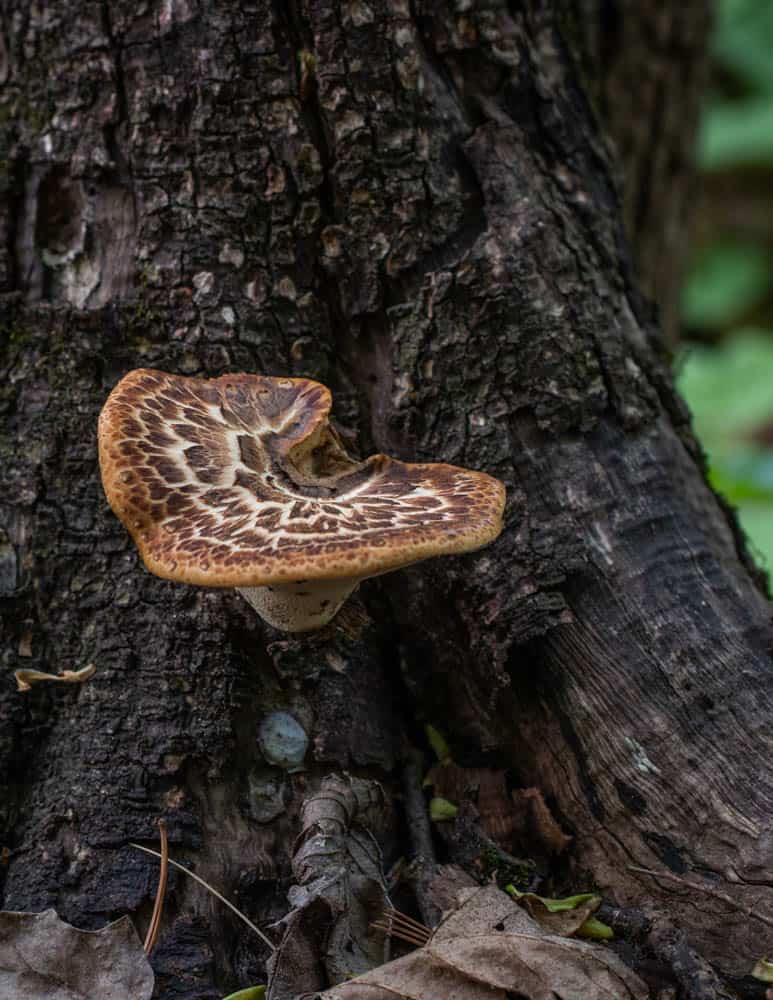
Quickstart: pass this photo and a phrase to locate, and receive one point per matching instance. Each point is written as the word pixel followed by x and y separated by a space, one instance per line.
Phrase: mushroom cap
pixel 240 481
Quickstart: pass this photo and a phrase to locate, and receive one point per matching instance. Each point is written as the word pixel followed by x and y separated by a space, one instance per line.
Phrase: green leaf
pixel 251 993
pixel 730 392
pixel 438 743
pixel 596 930
pixel 728 389
pixel 757 522
pixel 441 810
pixel 555 905
pixel 725 281
pixel 736 489
pixel 571 916
pixel 743 42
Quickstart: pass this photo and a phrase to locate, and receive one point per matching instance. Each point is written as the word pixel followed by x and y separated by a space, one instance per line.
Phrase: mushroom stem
pixel 302 605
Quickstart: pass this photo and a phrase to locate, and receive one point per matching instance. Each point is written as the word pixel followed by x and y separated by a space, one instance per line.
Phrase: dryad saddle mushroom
pixel 240 481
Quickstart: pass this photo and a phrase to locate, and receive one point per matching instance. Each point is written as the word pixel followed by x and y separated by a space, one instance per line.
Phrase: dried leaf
pixel 763 970
pixel 339 890
pixel 488 949
pixel 446 884
pixel 559 916
pixel 26 678
pixel 43 958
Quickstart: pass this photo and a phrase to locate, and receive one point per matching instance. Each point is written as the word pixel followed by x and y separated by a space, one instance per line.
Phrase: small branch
pixel 420 832
pixel 695 977
pixel 158 906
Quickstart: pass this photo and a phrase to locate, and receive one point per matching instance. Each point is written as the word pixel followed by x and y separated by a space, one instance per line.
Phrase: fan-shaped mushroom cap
pixel 240 481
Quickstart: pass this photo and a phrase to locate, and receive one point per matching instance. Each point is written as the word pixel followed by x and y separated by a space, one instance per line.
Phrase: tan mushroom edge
pixel 240 481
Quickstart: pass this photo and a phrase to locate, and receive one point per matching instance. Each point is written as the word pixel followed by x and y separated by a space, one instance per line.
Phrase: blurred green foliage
pixel 726 279
pixel 730 391
pixel 743 42
pixel 726 374
pixel 734 135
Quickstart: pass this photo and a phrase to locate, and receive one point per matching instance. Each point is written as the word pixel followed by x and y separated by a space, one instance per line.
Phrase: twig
pixel 420 832
pixel 694 976
pixel 197 878
pixel 155 921
pixel 704 889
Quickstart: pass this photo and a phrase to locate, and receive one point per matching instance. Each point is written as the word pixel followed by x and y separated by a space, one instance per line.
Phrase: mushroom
pixel 240 481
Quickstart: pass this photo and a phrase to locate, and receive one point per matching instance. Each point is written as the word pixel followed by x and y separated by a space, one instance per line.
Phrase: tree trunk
pixel 417 204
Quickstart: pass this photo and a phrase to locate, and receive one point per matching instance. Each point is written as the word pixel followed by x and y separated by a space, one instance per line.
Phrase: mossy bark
pixel 421 205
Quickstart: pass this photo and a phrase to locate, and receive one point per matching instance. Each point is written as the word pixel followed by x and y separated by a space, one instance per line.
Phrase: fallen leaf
pixel 446 884
pixel 26 678
pixel 559 916
pixel 251 993
pixel 490 948
pixel 44 958
pixel 339 890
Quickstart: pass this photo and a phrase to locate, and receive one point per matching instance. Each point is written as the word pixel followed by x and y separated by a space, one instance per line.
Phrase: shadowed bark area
pixel 416 204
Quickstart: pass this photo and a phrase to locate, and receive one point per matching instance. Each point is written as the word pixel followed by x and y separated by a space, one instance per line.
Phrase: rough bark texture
pixel 415 203
pixel 641 66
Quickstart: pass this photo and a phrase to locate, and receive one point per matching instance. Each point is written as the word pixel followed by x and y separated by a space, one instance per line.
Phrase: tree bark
pixel 419 205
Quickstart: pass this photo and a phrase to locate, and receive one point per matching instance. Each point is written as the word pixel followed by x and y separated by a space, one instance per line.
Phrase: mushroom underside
pixel 300 606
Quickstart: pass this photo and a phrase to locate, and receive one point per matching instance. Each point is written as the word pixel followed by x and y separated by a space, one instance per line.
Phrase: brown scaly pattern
pixel 240 481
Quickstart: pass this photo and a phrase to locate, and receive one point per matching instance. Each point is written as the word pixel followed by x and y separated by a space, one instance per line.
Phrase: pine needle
pixel 155 921
pixel 396 924
pixel 209 888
